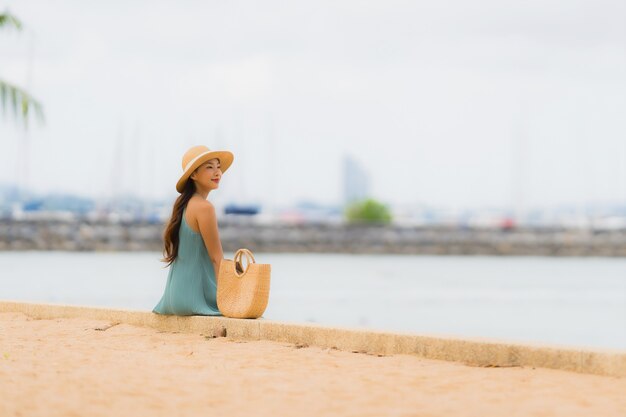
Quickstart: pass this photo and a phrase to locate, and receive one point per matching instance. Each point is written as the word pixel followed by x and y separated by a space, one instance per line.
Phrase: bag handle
pixel 246 252
pixel 237 259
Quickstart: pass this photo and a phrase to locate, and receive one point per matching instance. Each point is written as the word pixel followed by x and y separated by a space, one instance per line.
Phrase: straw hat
pixel 198 155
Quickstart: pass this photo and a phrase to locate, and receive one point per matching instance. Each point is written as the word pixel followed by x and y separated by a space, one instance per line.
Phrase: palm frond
pixel 20 101
pixel 7 19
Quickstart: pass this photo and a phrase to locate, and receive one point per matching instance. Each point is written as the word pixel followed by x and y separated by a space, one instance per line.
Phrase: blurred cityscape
pixel 56 221
pixel 17 204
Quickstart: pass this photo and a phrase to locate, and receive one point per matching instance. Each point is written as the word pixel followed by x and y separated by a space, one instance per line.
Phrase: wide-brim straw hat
pixel 198 155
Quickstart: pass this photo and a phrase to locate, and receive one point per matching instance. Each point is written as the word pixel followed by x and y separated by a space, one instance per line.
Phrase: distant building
pixel 356 182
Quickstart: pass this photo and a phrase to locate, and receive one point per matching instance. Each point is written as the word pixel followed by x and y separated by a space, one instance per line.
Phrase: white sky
pixel 429 96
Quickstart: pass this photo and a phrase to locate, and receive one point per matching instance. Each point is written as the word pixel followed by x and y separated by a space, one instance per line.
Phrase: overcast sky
pixel 446 103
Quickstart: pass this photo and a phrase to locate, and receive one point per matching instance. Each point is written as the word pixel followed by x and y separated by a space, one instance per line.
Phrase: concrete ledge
pixel 471 351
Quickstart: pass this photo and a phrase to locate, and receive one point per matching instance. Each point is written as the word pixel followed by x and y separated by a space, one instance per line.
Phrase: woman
pixel 192 245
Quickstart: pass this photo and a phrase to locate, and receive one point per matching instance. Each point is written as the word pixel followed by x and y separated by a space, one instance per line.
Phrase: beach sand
pixel 67 367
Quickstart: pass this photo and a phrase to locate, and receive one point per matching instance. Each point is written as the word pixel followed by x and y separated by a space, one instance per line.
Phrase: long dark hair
pixel 170 235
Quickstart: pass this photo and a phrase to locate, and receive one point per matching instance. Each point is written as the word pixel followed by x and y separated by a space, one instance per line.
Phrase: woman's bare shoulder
pixel 200 207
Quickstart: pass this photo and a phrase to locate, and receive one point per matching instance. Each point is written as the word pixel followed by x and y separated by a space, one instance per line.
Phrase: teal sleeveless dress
pixel 191 287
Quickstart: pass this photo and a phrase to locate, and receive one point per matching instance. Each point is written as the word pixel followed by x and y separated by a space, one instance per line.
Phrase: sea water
pixel 567 301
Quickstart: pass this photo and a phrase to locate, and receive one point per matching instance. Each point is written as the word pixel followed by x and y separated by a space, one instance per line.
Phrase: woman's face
pixel 208 175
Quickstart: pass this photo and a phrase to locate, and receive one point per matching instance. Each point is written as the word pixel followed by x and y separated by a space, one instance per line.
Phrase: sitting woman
pixel 193 250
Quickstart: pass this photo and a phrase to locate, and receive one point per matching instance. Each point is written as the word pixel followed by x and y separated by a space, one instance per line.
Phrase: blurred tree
pixel 367 211
pixel 20 100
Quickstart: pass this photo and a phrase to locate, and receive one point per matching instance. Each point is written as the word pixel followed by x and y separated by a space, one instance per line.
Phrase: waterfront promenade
pixel 81 235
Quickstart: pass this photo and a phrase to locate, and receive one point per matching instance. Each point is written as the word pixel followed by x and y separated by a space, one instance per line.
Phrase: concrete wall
pixel 471 351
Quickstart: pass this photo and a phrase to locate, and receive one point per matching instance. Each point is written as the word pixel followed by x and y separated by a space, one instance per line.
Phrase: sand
pixel 67 367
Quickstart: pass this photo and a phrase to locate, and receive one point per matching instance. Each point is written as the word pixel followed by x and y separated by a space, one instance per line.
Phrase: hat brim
pixel 225 157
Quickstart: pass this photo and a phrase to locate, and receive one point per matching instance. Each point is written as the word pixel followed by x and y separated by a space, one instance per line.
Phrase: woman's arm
pixel 207 223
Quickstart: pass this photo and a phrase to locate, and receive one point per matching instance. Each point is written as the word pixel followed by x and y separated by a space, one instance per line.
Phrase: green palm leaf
pixel 7 19
pixel 22 103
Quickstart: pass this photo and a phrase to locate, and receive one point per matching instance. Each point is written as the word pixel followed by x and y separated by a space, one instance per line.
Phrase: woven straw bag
pixel 243 294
